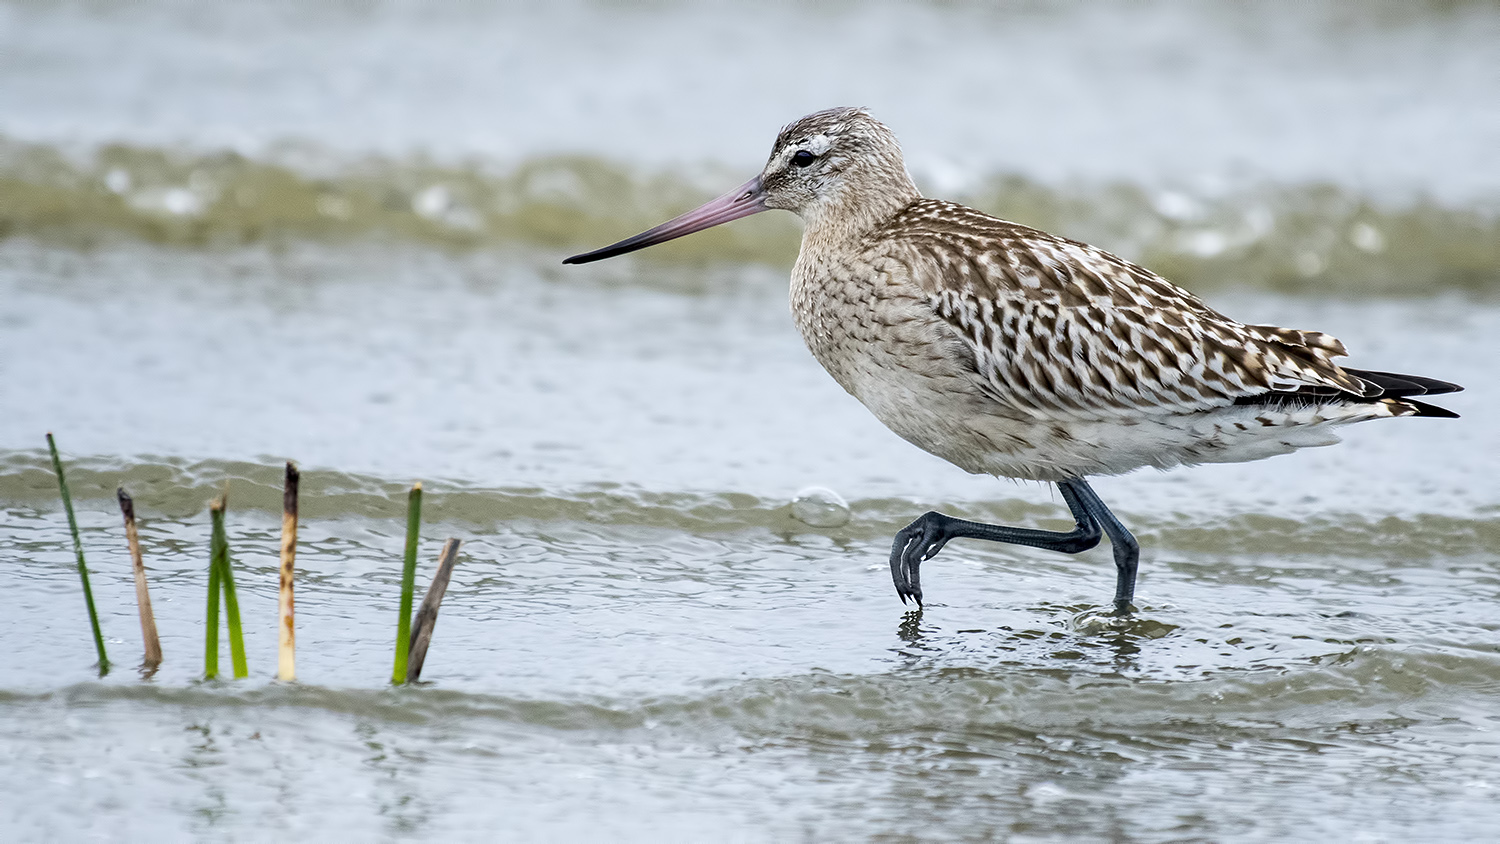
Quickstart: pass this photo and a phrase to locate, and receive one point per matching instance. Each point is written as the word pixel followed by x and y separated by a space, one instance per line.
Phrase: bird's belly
pixel 982 437
pixel 888 350
pixel 905 368
pixel 892 353
pixel 933 401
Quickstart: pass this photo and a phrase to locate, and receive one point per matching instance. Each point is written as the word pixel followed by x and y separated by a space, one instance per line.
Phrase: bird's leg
pixel 1127 550
pixel 923 538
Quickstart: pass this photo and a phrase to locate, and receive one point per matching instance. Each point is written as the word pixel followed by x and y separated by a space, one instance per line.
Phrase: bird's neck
pixel 848 217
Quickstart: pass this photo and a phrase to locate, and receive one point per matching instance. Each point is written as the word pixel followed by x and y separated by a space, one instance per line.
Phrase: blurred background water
pixel 236 234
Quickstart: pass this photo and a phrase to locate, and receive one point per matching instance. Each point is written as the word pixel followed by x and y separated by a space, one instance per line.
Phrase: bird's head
pixel 836 169
pixel 832 163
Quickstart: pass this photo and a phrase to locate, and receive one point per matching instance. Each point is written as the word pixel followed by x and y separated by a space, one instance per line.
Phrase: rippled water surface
pixel 333 236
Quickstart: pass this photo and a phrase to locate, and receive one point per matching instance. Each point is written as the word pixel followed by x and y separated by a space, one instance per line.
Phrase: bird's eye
pixel 802 158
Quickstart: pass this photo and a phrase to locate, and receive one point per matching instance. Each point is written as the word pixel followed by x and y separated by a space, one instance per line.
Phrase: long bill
pixel 743 201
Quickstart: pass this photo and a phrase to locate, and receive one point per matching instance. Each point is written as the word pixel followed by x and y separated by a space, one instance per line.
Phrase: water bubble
pixel 335 206
pixel 181 202
pixel 820 507
pixel 1310 264
pixel 1260 220
pixel 117 180
pixel 438 204
pixel 1176 206
pixel 432 202
pixel 1367 238
pixel 1204 244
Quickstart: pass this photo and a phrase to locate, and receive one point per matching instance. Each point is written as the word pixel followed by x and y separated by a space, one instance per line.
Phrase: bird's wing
pixel 1060 328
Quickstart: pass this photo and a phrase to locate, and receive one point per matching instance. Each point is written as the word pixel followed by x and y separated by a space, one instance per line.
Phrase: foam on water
pixel 1306 238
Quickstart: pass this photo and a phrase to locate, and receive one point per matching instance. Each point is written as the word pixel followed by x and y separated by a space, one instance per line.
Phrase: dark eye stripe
pixel 802 158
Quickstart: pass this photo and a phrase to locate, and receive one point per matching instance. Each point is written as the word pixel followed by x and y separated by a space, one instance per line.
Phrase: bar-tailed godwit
pixel 1008 351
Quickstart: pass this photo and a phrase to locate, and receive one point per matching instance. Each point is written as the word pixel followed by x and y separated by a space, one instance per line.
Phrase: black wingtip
pixel 1431 411
pixel 1400 385
pixel 1388 386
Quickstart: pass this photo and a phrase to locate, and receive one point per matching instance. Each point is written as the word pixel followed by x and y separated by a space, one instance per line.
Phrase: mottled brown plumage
pixel 1013 352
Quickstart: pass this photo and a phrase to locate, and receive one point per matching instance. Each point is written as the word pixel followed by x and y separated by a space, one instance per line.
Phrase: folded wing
pixel 1063 330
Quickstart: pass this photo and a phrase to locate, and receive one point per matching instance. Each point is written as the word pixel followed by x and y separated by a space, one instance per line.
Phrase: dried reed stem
pixel 142 594
pixel 421 635
pixel 286 661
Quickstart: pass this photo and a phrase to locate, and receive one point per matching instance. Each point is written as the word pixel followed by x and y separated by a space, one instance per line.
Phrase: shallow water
pixel 640 641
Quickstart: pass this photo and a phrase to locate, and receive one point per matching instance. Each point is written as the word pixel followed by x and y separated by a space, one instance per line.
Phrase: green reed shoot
pixel 211 622
pixel 408 582
pixel 83 570
pixel 220 552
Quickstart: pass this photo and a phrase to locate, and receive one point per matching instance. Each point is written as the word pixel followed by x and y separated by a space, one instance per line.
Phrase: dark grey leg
pixel 923 538
pixel 1127 550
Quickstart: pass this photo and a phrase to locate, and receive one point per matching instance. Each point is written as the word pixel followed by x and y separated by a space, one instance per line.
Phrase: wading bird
pixel 1008 351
